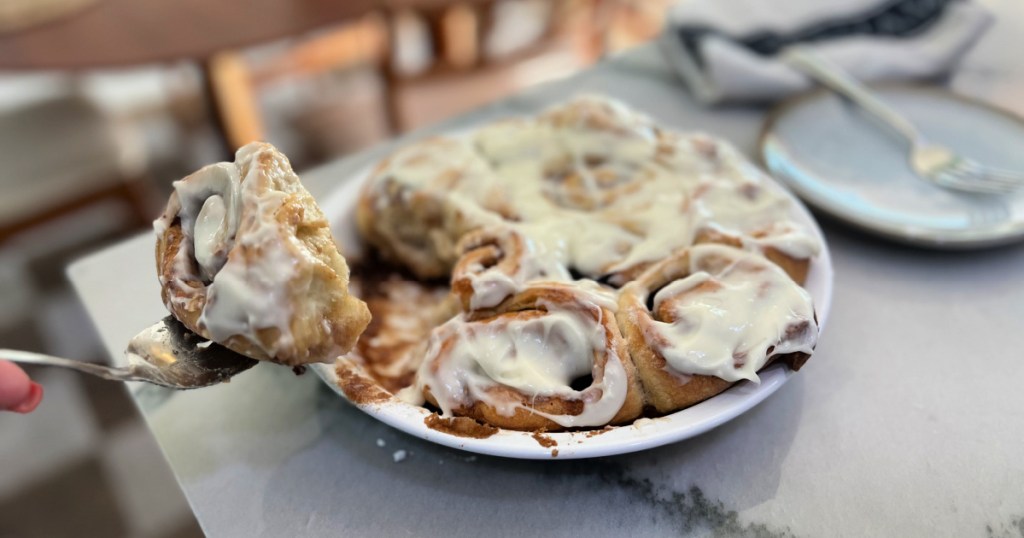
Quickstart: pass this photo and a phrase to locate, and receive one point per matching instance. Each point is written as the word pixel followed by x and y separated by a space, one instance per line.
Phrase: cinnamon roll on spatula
pixel 246 259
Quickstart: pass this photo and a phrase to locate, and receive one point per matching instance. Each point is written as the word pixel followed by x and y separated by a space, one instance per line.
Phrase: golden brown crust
pixel 408 227
pixel 460 426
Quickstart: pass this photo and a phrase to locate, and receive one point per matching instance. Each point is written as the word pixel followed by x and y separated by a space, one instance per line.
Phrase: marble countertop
pixel 908 421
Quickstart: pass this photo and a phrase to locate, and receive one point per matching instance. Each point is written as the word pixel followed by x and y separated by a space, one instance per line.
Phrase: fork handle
pixel 834 77
pixel 106 372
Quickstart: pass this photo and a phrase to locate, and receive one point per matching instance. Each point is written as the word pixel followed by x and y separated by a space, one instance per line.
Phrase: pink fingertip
pixel 31 401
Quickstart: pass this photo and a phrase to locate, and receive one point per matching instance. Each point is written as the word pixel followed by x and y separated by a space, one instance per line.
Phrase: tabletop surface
pixel 908 420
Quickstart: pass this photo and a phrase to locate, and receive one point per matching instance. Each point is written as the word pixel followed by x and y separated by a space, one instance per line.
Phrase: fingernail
pixel 35 395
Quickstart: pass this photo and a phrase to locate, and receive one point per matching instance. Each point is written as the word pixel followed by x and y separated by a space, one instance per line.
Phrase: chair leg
pixel 234 110
pixel 388 77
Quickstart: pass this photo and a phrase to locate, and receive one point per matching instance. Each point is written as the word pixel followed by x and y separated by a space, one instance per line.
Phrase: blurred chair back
pixel 63 154
pixel 471 40
pixel 447 47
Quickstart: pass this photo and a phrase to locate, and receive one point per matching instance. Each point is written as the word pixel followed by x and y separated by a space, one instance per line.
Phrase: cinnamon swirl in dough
pixel 246 259
pixel 496 262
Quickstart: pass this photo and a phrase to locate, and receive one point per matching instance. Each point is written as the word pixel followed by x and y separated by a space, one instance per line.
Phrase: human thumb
pixel 17 392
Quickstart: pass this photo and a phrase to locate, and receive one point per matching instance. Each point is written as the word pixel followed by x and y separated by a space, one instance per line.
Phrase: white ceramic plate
pixel 643 434
pixel 842 162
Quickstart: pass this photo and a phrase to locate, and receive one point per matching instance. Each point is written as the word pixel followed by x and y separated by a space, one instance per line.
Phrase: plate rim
pixel 643 434
pixel 935 239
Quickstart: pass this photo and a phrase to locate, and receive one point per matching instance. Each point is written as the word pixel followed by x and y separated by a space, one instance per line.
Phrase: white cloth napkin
pixel 728 50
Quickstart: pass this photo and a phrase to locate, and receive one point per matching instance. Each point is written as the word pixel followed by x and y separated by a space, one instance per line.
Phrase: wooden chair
pixel 457 31
pixel 236 82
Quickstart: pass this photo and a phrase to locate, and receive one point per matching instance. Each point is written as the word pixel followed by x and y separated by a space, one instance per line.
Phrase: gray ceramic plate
pixel 842 162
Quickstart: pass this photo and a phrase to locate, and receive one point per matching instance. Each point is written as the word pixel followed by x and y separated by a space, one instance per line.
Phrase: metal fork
pixel 165 354
pixel 932 162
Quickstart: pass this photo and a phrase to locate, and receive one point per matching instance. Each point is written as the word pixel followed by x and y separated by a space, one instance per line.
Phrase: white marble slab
pixel 908 421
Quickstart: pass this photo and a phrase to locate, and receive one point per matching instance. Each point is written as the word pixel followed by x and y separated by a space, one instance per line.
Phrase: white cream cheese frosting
pixel 523 257
pixel 728 321
pixel 538 353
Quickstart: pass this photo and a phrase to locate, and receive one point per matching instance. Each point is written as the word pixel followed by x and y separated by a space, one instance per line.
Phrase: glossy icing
pixel 537 352
pixel 728 320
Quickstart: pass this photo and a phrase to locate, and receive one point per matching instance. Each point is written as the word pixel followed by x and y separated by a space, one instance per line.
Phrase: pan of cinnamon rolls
pixel 578 283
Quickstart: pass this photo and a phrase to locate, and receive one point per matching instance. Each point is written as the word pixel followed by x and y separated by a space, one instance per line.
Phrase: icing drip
pixel 250 292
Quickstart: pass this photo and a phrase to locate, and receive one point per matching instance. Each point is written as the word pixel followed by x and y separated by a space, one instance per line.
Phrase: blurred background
pixel 98 117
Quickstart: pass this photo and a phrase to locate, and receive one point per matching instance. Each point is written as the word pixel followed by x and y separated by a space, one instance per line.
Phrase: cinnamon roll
pixel 497 262
pixel 245 258
pixel 420 201
pixel 569 173
pixel 710 316
pixel 608 150
pixel 745 213
pixel 549 358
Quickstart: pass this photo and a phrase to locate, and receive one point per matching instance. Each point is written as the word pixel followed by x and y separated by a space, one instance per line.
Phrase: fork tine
pixel 974 188
pixel 969 170
pixel 979 187
pixel 1005 176
pixel 1007 184
pixel 996 174
pixel 962 180
pixel 991 181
